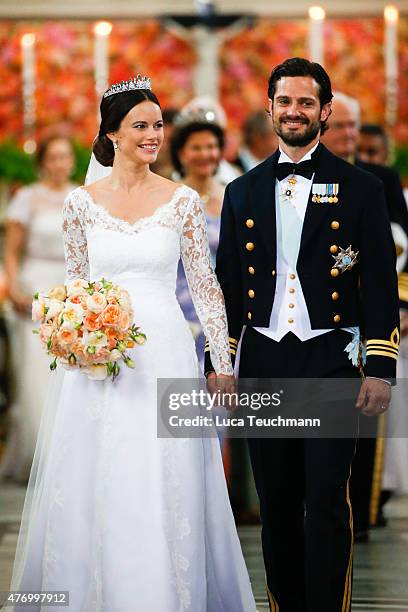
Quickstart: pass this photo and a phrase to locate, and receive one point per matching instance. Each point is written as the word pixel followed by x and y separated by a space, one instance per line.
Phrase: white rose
pixel 71 316
pixel 125 301
pixel 54 309
pixel 115 355
pixel 94 339
pixel 96 372
pixel 96 302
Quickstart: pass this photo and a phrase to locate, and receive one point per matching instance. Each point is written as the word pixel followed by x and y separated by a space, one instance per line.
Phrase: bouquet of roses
pixel 87 326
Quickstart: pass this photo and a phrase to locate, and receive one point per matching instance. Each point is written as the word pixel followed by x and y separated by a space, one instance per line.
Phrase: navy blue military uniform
pixel 309 561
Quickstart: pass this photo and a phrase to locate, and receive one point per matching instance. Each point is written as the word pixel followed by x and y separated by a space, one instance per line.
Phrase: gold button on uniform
pixel 291 290
pixel 335 225
pixel 249 223
pixel 292 276
pixel 251 293
pixel 291 305
pixel 249 246
pixel 334 248
pixel 335 296
pixel 249 315
pixel 334 272
pixel 251 270
pixel 273 272
pixel 290 320
pixel 336 318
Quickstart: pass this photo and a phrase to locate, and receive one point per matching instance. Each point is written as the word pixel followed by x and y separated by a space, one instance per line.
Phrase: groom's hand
pixel 374 397
pixel 222 384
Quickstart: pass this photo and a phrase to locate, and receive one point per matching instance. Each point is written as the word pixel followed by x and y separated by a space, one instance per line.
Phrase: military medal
pixel 323 193
pixel 345 259
pixel 288 189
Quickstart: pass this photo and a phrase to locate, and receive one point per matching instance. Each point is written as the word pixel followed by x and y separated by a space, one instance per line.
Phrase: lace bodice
pixel 99 244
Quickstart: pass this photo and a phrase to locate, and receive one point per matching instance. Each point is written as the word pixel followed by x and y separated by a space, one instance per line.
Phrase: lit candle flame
pixel 102 28
pixel 317 13
pixel 391 13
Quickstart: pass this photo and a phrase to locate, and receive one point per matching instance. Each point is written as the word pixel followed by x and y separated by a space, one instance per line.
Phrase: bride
pixel 123 520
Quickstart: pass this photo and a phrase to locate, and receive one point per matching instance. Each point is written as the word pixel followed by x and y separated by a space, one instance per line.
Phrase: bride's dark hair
pixel 113 110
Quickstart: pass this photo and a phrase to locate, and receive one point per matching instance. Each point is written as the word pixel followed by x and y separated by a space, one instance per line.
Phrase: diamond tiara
pixel 138 82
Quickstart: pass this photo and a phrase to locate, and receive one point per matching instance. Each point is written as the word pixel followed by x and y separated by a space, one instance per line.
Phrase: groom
pixel 284 275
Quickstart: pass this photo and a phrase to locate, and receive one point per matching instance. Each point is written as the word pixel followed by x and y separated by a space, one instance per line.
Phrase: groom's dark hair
pixel 299 66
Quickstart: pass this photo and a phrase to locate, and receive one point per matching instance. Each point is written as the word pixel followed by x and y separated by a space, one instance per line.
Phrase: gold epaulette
pixel 384 348
pixel 233 344
pixel 403 286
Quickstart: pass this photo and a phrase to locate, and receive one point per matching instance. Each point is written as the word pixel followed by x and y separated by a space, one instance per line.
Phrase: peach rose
pixel 91 321
pixel 124 320
pixel 66 336
pixel 37 310
pixel 45 332
pixel 76 299
pixel 111 315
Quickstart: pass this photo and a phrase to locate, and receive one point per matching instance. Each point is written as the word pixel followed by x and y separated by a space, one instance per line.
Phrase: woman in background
pixel 33 261
pixel 196 150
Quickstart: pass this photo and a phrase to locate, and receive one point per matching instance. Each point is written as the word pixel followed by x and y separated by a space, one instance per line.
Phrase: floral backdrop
pixel 65 95
pixel 353 58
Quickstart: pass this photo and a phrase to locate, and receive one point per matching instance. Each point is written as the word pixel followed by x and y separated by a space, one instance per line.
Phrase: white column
pixel 28 78
pixel 316 34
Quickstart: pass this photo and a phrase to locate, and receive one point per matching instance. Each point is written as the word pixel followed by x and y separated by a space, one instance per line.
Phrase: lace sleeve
pixel 204 287
pixel 74 234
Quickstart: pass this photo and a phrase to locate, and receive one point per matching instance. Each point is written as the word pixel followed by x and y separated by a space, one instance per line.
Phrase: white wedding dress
pixel 123 520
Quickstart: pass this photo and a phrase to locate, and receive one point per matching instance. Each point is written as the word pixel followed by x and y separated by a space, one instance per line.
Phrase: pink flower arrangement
pixel 88 326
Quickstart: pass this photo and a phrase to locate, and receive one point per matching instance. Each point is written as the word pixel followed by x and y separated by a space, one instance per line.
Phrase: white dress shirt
pixel 289 312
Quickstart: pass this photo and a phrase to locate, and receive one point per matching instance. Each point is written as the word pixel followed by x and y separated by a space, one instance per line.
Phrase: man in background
pixel 259 141
pixel 373 144
pixel 343 139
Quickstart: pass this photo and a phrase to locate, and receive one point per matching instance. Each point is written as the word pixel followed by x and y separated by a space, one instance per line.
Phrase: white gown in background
pixel 39 210
pixel 123 520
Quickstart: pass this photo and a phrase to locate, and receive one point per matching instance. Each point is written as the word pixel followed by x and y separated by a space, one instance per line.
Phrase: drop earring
pixel 115 145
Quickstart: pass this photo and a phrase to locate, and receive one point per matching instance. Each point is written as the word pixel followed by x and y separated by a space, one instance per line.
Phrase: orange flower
pixel 66 336
pixel 76 299
pixel 92 321
pixel 111 315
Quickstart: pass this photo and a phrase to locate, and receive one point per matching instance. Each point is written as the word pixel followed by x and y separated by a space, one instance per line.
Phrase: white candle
pixel 28 77
pixel 390 41
pixel 102 29
pixel 391 64
pixel 316 33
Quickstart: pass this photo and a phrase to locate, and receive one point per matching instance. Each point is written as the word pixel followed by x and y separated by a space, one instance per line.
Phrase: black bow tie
pixel 304 168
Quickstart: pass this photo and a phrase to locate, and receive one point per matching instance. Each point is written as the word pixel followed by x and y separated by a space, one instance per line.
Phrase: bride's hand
pixel 222 384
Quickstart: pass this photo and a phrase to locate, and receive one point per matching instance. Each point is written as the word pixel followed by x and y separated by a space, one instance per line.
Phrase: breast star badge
pixel 345 259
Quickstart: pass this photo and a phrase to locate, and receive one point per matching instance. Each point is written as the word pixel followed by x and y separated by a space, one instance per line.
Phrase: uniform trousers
pixel 303 483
